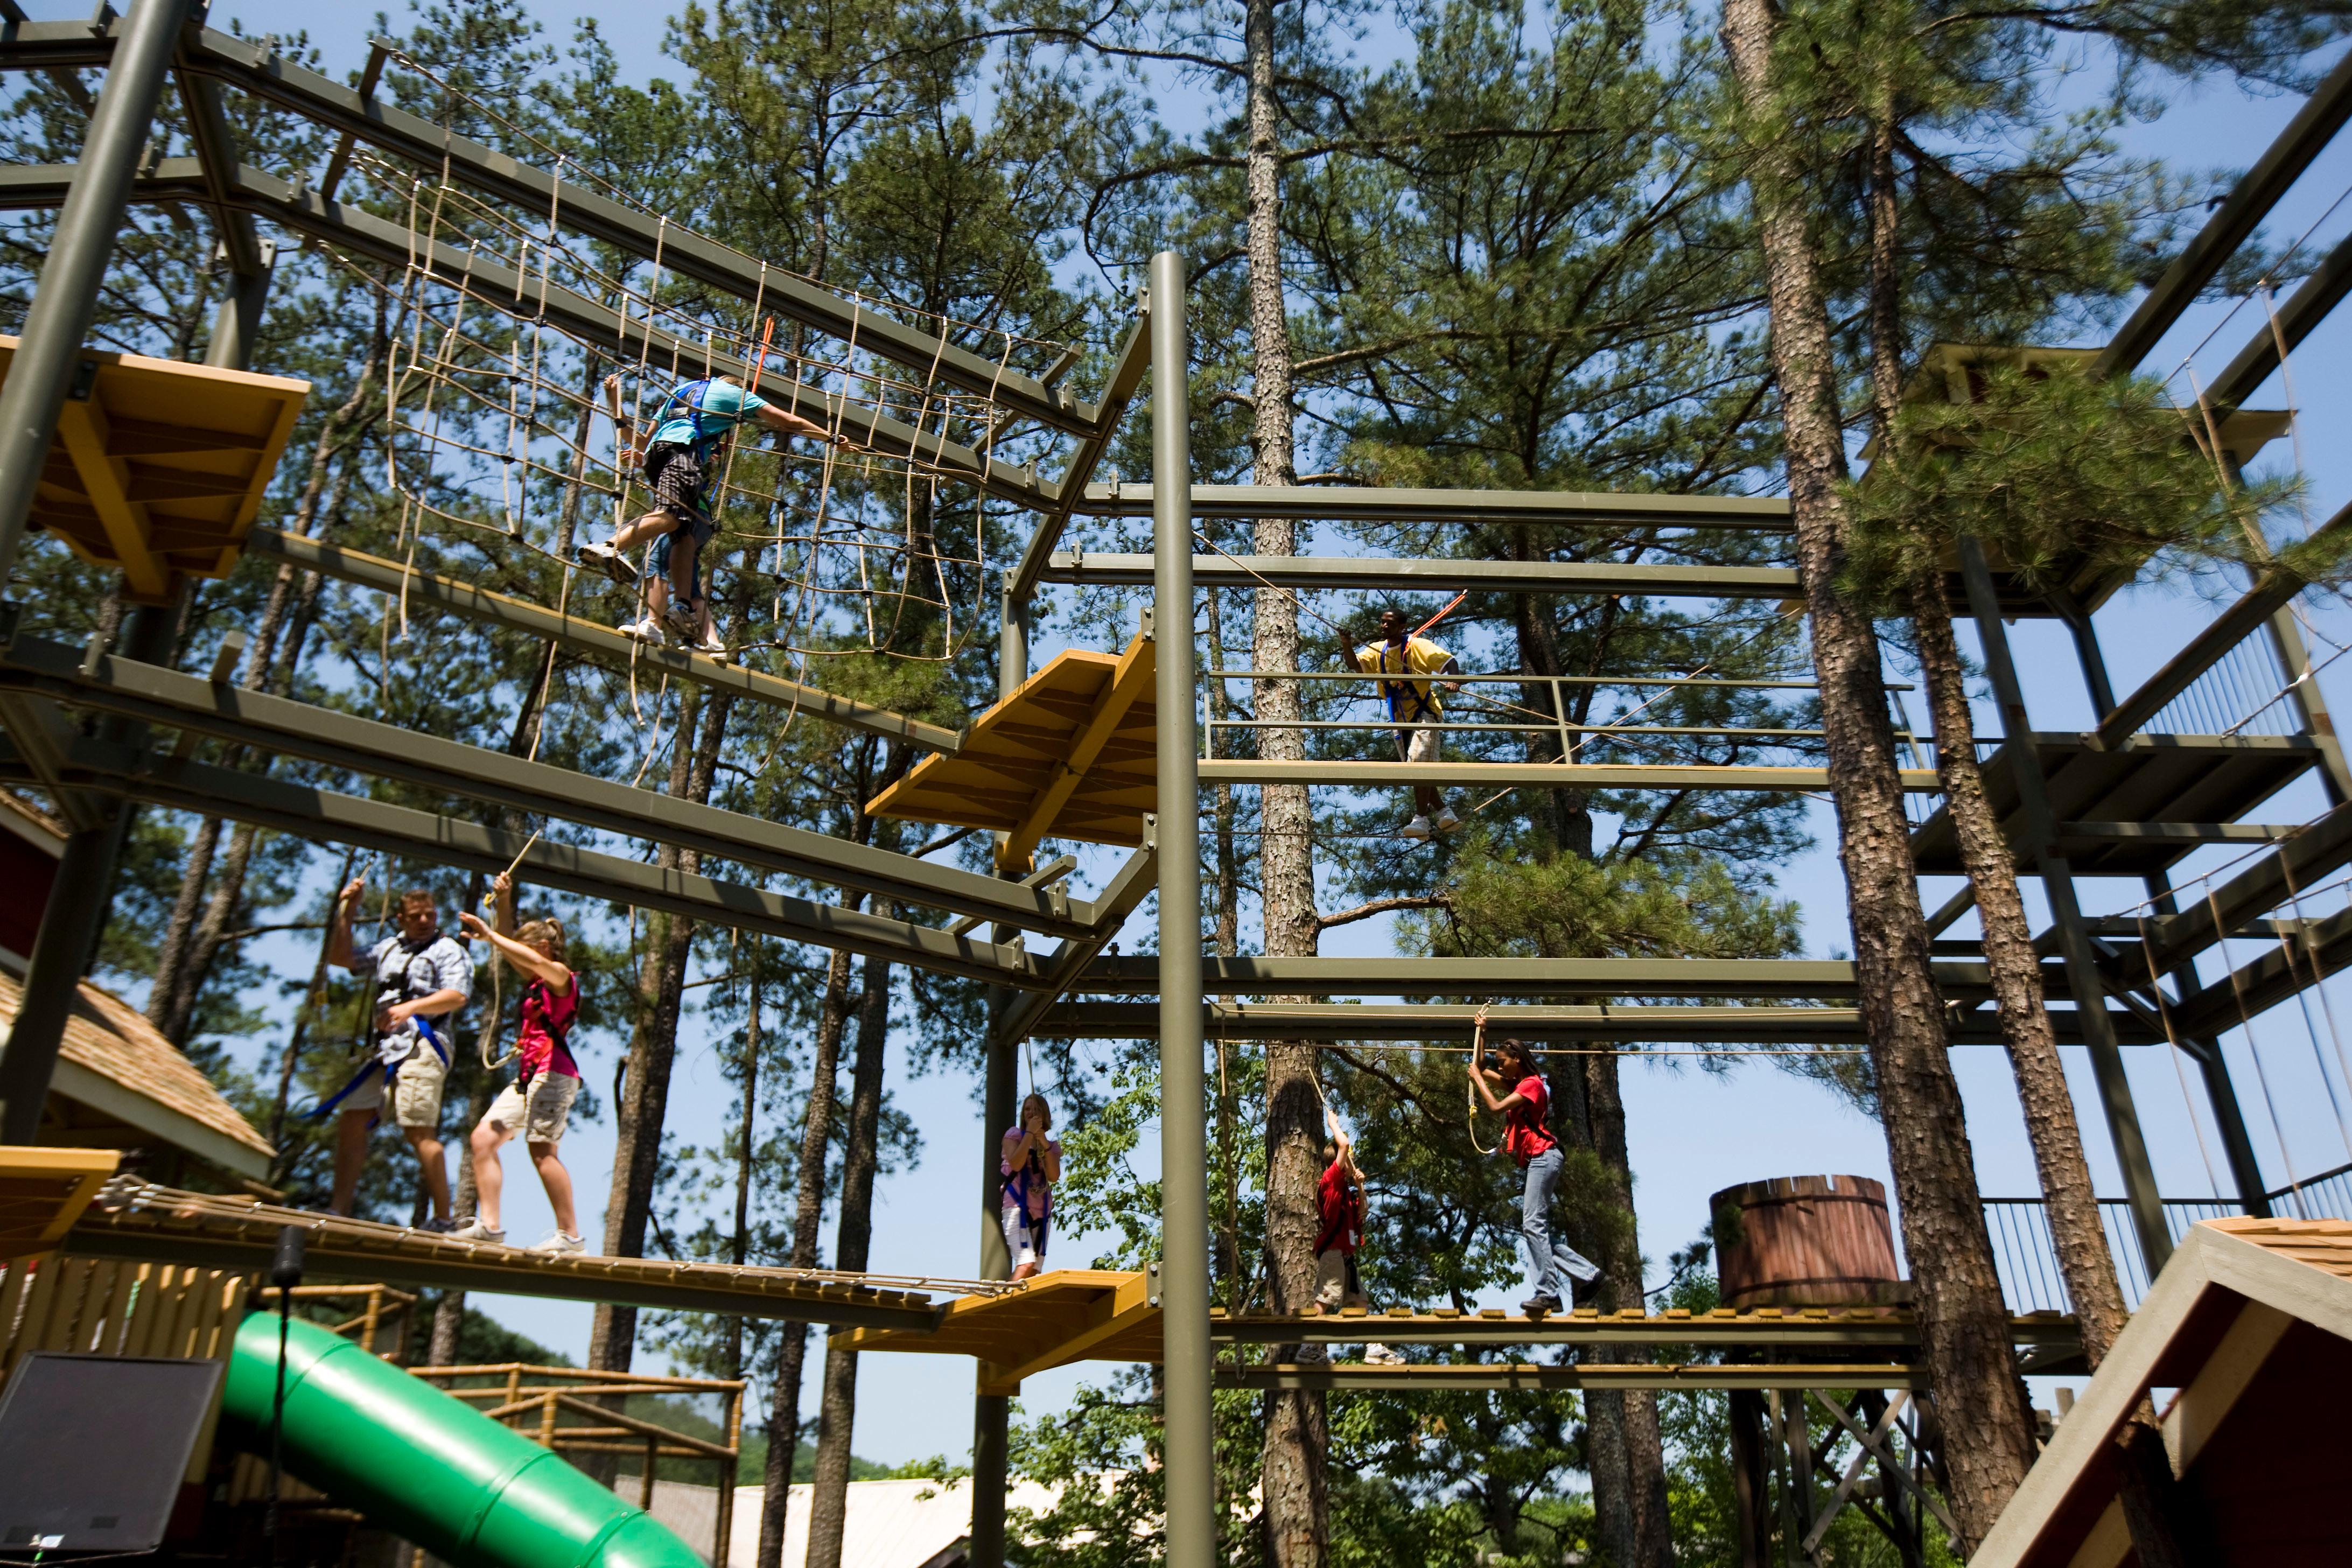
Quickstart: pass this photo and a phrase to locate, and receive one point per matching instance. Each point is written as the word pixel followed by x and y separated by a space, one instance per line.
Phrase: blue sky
pixel 1692 1132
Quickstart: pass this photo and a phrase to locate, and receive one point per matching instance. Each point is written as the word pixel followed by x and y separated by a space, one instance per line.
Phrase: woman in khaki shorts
pixel 538 1101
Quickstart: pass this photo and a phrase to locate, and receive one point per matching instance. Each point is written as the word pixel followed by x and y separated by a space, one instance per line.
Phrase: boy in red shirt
pixel 1340 1200
pixel 1522 1102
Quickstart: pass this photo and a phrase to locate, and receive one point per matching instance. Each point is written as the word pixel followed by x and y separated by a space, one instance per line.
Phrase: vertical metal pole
pixel 2074 943
pixel 238 325
pixel 992 1414
pixel 2237 1146
pixel 2310 705
pixel 1187 1435
pixel 65 298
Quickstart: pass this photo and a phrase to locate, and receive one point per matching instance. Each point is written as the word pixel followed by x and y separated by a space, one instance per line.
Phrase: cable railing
pixel 2027 1258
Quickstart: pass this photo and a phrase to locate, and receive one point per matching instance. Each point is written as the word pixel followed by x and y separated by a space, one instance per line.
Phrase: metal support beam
pixel 2305 309
pixel 1188 1433
pixel 2221 1093
pixel 1539 775
pixel 2270 594
pixel 1125 375
pixel 66 297
pixel 1373 503
pixel 237 325
pixel 2041 828
pixel 1366 574
pixel 504 288
pixel 215 144
pixel 364 746
pixel 992 1414
pixel 425 589
pixel 2241 212
pixel 325 816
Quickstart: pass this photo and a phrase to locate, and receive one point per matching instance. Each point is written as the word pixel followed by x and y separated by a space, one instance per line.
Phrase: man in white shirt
pixel 422 979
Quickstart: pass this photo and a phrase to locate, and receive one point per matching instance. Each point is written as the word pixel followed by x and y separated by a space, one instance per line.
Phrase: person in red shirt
pixel 1339 1201
pixel 1508 1080
pixel 538 1103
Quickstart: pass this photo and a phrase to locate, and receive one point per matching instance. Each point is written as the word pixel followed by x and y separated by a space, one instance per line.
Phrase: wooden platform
pixel 158 467
pixel 44 1191
pixel 1077 1314
pixel 1071 755
pixel 133 1220
pixel 2128 794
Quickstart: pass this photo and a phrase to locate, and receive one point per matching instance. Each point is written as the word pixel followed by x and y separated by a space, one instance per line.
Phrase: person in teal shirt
pixel 677 465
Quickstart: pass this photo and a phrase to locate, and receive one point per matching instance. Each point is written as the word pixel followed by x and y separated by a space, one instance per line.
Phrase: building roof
pixel 116 1063
pixel 2251 1323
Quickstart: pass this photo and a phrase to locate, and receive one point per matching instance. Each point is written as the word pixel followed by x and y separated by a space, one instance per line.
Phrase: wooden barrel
pixel 1814 1241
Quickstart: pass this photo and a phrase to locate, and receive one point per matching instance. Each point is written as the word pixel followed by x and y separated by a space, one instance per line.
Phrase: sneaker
pixel 561 1241
pixel 475 1230
pixel 709 646
pixel 1313 1355
pixel 1447 822
pixel 1418 828
pixel 438 1226
pixel 681 620
pixel 1542 1304
pixel 647 630
pixel 611 562
pixel 1384 1355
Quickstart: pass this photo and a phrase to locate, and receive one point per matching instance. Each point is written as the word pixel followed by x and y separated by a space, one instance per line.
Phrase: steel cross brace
pixel 1871 1450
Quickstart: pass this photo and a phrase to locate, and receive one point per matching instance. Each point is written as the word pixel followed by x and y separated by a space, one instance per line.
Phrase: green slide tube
pixel 423 1465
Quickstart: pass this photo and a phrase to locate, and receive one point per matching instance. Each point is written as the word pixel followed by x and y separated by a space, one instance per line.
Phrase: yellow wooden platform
pixel 1071 755
pixel 1071 1314
pixel 44 1191
pixel 158 467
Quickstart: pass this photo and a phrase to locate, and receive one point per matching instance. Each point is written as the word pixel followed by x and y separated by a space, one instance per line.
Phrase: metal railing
pixel 2027 1259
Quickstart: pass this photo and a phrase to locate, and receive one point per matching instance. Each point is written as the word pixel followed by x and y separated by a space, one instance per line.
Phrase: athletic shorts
pixel 539 1114
pixel 1336 1282
pixel 1420 744
pixel 416 1093
pixel 677 477
pixel 1025 1237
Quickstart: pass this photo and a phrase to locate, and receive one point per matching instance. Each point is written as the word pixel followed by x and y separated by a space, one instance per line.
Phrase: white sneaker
pixel 561 1241
pixel 647 630
pixel 611 562
pixel 1384 1355
pixel 1417 829
pixel 709 646
pixel 475 1230
pixel 1447 822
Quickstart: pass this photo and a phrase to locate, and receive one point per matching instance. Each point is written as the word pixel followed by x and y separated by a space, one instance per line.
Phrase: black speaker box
pixel 93 1449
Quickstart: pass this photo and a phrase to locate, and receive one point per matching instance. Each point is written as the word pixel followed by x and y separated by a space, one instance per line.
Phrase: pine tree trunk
pixel 829 1498
pixel 1291 1468
pixel 1646 1535
pixel 816 1132
pixel 1964 1324
pixel 746 1145
pixel 652 1045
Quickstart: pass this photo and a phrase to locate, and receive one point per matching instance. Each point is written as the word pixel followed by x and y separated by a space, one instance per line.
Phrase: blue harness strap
pixel 1401 691
pixel 390 1071
pixel 688 394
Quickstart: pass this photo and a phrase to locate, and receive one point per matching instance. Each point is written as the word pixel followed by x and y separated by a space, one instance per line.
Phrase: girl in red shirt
pixel 1508 1080
pixel 538 1103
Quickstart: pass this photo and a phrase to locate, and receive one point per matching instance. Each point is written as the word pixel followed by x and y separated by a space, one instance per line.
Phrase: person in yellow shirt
pixel 1415 706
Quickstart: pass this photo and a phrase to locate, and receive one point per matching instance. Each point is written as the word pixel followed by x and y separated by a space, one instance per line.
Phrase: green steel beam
pixel 325 816
pixel 1539 1378
pixel 2233 222
pixel 1842 1329
pixel 2305 309
pixel 2270 880
pixel 2315 948
pixel 581 634
pixel 1127 374
pixel 1064 967
pixel 1827 980
pixel 1373 503
pixel 1538 775
pixel 1372 576
pixel 432 148
pixel 1344 1023
pixel 181 179
pixel 278 725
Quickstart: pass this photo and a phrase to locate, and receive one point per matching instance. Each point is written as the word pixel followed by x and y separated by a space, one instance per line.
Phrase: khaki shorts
pixel 1336 1285
pixel 416 1093
pixel 1422 743
pixel 540 1115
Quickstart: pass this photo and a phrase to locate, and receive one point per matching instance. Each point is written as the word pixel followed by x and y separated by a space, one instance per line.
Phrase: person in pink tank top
pixel 538 1103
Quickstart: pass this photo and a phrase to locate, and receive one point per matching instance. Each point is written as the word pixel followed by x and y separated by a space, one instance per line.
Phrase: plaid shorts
pixel 677 475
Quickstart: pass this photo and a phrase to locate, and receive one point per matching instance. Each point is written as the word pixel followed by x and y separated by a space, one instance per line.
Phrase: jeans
pixel 1549 1262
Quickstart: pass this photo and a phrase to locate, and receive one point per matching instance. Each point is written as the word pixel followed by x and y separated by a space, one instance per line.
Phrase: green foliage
pixel 2048 470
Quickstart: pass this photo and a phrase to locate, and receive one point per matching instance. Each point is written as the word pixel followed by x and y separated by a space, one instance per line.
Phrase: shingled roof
pixel 117 1067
